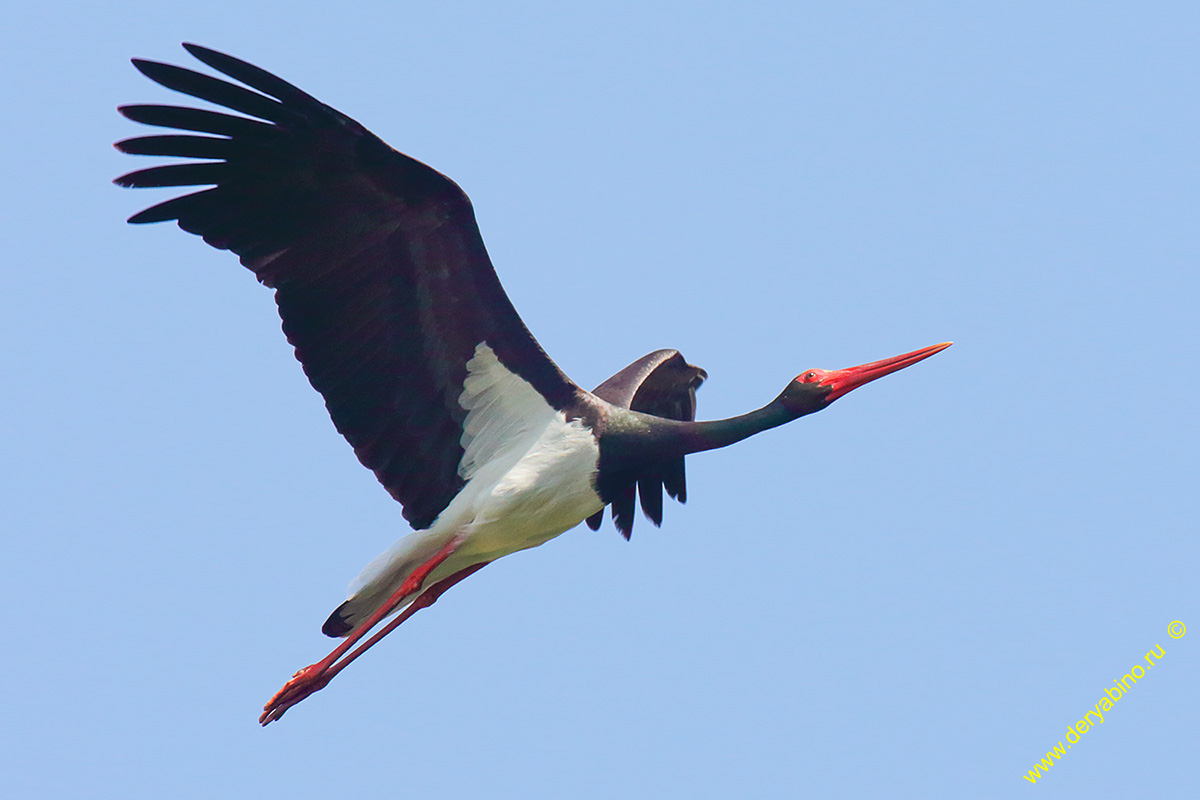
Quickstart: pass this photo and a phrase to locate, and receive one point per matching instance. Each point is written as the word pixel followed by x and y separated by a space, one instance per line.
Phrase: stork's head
pixel 814 389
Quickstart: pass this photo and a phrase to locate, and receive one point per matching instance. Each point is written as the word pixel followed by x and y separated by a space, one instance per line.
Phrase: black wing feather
pixel 664 384
pixel 622 510
pixel 209 173
pixel 177 145
pixel 215 90
pixel 198 119
pixel 381 277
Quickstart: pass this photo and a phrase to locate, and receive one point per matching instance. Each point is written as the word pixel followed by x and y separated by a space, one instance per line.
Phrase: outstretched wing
pixel 381 277
pixel 664 384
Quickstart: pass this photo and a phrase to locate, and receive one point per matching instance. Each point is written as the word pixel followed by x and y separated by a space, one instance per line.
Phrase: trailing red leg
pixel 316 676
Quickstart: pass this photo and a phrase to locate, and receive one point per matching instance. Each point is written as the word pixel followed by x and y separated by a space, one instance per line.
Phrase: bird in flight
pixel 387 294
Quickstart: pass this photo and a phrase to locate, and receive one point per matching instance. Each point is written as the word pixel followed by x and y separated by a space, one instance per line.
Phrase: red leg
pixel 316 676
pixel 424 600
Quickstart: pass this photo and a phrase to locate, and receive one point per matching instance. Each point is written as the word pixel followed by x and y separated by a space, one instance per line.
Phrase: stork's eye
pixel 810 376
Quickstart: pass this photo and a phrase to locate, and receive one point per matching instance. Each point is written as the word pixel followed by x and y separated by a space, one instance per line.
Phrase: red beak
pixel 842 381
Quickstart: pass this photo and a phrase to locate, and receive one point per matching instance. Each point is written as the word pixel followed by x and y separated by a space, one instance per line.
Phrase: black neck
pixel 697 437
pixel 642 437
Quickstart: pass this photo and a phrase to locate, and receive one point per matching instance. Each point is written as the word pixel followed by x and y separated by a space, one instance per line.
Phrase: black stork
pixel 397 316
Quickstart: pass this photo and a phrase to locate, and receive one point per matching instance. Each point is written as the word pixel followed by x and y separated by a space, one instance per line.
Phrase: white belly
pixel 529 475
pixel 548 491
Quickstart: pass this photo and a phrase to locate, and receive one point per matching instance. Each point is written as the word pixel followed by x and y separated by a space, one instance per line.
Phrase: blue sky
pixel 913 593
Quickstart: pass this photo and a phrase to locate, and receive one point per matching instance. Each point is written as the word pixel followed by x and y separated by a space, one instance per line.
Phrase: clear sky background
pixel 911 594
